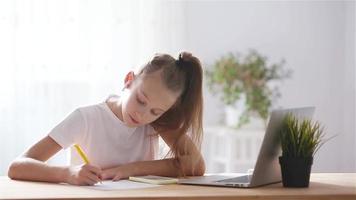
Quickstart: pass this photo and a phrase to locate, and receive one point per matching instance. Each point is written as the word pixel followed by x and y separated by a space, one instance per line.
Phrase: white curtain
pixel 56 56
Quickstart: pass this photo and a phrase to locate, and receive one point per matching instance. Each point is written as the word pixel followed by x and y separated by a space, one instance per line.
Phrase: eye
pixel 155 114
pixel 139 101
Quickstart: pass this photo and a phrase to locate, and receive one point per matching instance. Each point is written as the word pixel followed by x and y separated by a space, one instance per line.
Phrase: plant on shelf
pixel 246 78
pixel 300 140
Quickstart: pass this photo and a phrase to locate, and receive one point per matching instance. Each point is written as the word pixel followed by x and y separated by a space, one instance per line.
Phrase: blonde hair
pixel 183 75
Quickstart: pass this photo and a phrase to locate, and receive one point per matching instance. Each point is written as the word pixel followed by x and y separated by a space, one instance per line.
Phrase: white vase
pixel 233 112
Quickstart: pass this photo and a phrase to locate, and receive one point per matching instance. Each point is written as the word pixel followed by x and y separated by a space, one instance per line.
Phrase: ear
pixel 129 78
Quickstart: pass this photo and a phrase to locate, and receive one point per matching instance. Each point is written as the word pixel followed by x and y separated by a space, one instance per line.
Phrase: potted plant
pixel 243 84
pixel 300 140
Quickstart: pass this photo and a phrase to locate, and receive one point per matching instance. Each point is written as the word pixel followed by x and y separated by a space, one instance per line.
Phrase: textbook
pixel 158 180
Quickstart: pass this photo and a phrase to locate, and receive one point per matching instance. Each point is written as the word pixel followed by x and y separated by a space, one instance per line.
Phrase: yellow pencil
pixel 82 154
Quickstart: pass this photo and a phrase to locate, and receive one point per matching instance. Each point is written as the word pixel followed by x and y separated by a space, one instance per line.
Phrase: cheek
pixel 152 118
pixel 129 105
pixel 125 103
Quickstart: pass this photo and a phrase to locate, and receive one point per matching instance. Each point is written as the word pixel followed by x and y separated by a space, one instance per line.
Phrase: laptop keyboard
pixel 239 179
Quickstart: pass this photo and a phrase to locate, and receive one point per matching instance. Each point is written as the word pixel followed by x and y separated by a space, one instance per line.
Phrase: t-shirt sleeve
pixel 71 130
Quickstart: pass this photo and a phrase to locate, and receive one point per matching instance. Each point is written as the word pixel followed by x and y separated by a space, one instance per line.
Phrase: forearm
pixel 164 167
pixel 189 165
pixel 35 170
pixel 169 167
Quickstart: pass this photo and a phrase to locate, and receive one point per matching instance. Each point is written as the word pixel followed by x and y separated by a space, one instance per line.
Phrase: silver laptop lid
pixel 267 169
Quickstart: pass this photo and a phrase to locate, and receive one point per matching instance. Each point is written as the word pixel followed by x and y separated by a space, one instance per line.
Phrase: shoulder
pixel 91 111
pixel 99 107
pixel 88 109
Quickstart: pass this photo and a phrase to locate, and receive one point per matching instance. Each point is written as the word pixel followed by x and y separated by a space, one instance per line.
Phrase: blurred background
pixel 56 56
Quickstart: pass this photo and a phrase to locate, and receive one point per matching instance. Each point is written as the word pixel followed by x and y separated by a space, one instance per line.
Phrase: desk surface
pixel 322 186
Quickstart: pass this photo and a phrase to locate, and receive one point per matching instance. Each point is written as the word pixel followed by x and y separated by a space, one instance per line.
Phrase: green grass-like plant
pixel 300 138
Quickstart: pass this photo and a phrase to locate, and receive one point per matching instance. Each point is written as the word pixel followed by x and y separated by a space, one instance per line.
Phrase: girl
pixel 119 136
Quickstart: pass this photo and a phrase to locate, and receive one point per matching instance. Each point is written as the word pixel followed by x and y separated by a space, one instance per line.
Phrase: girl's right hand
pixel 83 175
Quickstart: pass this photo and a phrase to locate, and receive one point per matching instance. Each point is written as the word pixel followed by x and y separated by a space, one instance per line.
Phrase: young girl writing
pixel 120 136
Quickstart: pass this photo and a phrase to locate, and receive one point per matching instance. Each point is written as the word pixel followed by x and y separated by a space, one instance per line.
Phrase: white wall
pixel 56 56
pixel 317 39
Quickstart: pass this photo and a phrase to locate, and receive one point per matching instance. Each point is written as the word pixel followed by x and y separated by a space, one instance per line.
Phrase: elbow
pixel 196 169
pixel 199 169
pixel 13 169
pixel 16 169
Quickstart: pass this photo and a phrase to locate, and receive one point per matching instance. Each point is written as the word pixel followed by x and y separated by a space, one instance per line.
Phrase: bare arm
pixel 164 167
pixel 191 160
pixel 32 166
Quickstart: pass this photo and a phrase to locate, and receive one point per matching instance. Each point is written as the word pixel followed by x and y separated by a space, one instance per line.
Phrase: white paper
pixel 120 185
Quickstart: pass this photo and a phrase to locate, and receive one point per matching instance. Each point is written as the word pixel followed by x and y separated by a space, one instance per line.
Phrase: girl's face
pixel 145 99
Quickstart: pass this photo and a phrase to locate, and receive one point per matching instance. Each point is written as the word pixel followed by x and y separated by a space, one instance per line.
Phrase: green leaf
pixel 300 138
pixel 232 75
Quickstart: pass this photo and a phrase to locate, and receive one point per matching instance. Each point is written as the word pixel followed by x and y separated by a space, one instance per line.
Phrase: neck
pixel 115 106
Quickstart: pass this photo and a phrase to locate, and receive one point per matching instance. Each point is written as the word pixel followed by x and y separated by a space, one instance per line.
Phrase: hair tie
pixel 180 60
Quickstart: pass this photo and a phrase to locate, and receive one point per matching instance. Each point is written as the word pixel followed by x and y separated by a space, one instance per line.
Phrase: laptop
pixel 267 169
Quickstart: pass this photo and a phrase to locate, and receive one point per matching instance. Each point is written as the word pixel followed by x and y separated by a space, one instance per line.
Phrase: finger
pixel 94 169
pixel 103 176
pixel 93 177
pixel 107 174
pixel 116 178
pixel 88 181
pixel 85 181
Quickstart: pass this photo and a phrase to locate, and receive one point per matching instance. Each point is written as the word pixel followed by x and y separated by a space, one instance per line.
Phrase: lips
pixel 133 120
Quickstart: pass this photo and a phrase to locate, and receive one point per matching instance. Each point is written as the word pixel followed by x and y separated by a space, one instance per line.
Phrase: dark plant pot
pixel 295 171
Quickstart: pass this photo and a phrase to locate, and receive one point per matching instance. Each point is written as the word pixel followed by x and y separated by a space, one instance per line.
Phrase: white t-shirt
pixel 105 139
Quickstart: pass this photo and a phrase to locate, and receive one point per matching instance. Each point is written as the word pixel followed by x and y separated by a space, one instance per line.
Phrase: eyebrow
pixel 144 94
pixel 149 99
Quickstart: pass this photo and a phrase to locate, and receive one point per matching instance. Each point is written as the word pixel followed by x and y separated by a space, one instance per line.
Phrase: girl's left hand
pixel 121 173
pixel 116 173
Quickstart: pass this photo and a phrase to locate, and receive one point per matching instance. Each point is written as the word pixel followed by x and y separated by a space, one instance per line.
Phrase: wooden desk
pixel 322 186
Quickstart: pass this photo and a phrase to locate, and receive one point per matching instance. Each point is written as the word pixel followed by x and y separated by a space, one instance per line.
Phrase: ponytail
pixel 185 75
